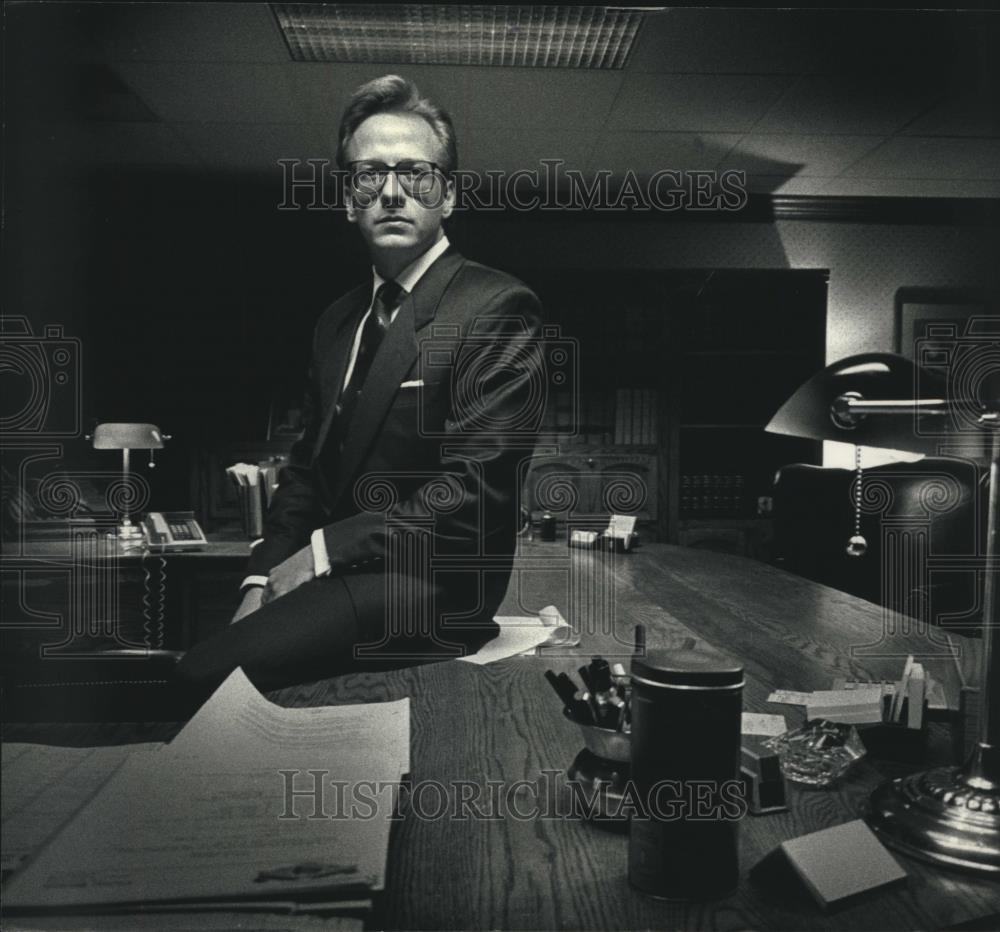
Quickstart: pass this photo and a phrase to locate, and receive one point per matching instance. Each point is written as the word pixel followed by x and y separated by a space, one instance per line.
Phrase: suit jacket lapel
pixel 341 340
pixel 394 359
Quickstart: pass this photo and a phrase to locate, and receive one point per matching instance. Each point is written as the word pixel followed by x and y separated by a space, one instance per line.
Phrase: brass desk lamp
pixel 950 815
pixel 127 437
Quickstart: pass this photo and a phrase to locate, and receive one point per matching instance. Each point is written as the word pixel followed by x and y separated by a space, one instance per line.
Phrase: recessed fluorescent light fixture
pixel 460 34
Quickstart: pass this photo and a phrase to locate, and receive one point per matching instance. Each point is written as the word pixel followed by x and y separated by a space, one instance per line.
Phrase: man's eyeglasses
pixel 418 178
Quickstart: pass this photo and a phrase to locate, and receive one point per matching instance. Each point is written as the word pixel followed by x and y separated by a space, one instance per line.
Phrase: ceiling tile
pixel 931 157
pixel 254 147
pixel 822 156
pixel 912 44
pixel 214 93
pixel 574 100
pixel 972 113
pixel 731 41
pixel 191 32
pixel 497 150
pixel 777 184
pixel 699 103
pixel 322 89
pixel 857 105
pixel 646 153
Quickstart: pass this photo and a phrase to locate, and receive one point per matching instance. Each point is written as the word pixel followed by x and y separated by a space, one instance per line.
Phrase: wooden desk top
pixel 503 723
pixel 31 553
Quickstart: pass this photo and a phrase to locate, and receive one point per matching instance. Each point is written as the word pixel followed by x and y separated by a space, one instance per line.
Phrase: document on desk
pixel 251 802
pixel 519 634
pixel 238 719
pixel 44 786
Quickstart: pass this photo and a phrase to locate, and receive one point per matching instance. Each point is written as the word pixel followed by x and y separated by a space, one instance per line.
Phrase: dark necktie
pixel 386 299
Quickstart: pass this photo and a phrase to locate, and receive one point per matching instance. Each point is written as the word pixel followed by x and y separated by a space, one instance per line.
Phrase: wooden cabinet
pixel 677 372
pixel 584 486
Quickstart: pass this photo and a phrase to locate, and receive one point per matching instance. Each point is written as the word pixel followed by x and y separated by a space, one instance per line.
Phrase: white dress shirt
pixel 407 280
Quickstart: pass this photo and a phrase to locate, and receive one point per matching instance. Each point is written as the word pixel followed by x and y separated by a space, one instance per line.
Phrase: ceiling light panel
pixel 460 34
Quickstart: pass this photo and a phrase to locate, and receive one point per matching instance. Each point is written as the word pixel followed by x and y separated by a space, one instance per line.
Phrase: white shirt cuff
pixel 253 581
pixel 321 559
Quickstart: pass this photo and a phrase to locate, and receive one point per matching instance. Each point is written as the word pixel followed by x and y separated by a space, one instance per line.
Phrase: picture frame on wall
pixel 941 315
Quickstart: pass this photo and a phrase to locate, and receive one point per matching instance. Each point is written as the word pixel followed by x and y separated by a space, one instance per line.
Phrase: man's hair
pixel 393 94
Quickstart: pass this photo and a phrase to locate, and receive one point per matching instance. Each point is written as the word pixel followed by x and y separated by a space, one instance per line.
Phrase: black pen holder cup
pixel 599 774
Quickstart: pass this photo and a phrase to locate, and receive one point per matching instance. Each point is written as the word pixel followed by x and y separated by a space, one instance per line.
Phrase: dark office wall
pixel 194 296
pixel 868 262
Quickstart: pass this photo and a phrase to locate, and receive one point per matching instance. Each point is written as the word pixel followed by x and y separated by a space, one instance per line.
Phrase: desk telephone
pixel 172 530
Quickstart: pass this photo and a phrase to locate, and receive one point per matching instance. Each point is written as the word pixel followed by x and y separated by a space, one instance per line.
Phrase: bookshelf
pixel 678 371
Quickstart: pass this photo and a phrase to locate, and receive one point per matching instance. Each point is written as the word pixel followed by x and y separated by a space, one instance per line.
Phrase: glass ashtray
pixel 819 753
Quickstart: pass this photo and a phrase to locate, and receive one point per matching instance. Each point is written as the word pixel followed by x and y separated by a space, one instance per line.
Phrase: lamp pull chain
pixel 857 546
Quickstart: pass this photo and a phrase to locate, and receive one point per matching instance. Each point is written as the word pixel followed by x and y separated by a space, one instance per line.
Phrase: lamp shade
pixel 811 411
pixel 127 437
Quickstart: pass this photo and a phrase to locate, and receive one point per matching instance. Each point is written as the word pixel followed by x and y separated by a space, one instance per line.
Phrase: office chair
pixel 919 520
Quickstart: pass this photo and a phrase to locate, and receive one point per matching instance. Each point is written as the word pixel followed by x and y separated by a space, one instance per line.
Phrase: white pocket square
pixel 415 383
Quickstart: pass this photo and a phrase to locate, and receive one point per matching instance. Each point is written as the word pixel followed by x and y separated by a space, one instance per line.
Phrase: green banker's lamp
pixel 950 815
pixel 127 437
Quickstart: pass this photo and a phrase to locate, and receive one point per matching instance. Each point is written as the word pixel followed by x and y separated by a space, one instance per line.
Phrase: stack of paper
pixel 44 786
pixel 850 706
pixel 250 803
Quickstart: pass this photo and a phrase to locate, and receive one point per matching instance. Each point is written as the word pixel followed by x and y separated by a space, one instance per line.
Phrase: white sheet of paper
pixel 238 720
pixel 862 705
pixel 518 634
pixel 44 786
pixel 762 723
pixel 621 525
pixel 203 818
pixel 789 697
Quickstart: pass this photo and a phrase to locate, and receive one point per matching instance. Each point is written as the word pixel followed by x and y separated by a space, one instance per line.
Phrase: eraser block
pixel 840 863
pixel 763 796
pixel 761 762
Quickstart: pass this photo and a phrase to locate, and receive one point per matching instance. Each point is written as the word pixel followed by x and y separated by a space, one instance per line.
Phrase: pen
pixel 568 687
pixel 600 675
pixel 640 639
pixel 564 687
pixel 618 713
pixel 555 683
pixel 585 711
pixel 585 676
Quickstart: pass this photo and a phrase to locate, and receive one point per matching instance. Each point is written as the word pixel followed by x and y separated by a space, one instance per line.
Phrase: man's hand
pixel 253 599
pixel 299 568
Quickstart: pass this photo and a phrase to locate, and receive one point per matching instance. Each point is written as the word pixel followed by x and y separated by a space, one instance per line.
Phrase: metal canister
pixel 686 716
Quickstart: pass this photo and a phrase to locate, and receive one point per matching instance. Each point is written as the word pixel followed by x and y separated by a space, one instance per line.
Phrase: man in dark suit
pixel 390 538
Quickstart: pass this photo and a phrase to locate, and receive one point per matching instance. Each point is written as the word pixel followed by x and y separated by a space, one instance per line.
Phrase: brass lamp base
pixel 950 816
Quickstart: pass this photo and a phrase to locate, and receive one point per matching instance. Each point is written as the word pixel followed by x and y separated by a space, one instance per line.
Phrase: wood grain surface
pixel 514 857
